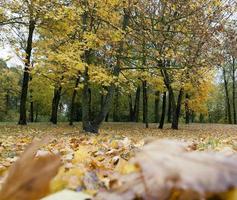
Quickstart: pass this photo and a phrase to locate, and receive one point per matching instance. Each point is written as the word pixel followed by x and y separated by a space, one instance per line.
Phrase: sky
pixel 7 53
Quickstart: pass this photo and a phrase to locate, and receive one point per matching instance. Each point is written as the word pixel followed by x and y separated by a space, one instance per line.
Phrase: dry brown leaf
pixel 29 177
pixel 167 166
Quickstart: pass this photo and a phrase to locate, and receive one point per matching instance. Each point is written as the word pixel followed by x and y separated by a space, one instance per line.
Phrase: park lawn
pixel 108 152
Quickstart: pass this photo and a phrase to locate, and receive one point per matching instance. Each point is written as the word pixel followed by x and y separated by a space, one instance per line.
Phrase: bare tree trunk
pixel 116 106
pixel 234 90
pixel 227 97
pixel 145 103
pixel 137 104
pixel 169 109
pixel 36 113
pixel 175 122
pixel 74 94
pixel 31 111
pixel 134 110
pixel 162 119
pixel 157 103
pixel 55 105
pixel 24 89
pixel 187 110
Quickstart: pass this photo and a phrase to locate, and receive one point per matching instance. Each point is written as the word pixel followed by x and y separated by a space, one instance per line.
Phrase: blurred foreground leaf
pixel 29 176
pixel 168 170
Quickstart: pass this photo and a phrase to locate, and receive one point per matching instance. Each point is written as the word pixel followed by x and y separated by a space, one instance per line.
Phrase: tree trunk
pixel 107 117
pixel 145 103
pixel 131 114
pixel 233 87
pixel 193 117
pixel 157 102
pixel 116 106
pixel 169 109
pixel 74 94
pixel 137 104
pixel 93 126
pixel 36 113
pixel 162 119
pixel 227 97
pixel 134 111
pixel 175 109
pixel 55 105
pixel 24 88
pixel 187 111
pixel 175 122
pixel 7 102
pixel 31 111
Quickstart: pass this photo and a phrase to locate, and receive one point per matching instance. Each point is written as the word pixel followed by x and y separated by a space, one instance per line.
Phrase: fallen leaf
pixel 29 177
pixel 168 166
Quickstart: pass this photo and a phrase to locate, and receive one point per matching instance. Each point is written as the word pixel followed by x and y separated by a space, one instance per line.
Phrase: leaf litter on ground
pixel 97 164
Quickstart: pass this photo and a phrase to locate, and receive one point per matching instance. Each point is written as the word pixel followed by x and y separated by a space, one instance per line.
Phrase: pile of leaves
pixel 115 166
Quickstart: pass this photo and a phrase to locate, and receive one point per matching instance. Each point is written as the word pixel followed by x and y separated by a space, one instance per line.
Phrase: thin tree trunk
pixel 157 102
pixel 7 102
pixel 162 119
pixel 107 117
pixel 227 97
pixel 234 92
pixel 74 94
pixel 145 103
pixel 134 111
pixel 55 105
pixel 131 114
pixel 187 110
pixel 193 117
pixel 116 106
pixel 175 109
pixel 175 122
pixel 36 113
pixel 31 111
pixel 169 109
pixel 24 88
pixel 137 104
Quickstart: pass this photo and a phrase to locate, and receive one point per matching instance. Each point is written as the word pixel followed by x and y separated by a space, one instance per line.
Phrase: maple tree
pixel 88 48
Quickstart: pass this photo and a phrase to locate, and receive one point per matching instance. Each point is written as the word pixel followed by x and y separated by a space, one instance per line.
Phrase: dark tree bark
pixel 90 103
pixel 175 122
pixel 107 117
pixel 130 102
pixel 7 102
pixel 162 119
pixel 74 94
pixel 227 97
pixel 55 105
pixel 175 109
pixel 24 88
pixel 92 126
pixel 169 118
pixel 193 117
pixel 187 110
pixel 137 104
pixel 116 106
pixel 157 103
pixel 134 110
pixel 36 113
pixel 145 103
pixel 31 111
pixel 234 90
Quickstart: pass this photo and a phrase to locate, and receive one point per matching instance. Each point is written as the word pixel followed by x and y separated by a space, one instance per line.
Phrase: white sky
pixel 6 52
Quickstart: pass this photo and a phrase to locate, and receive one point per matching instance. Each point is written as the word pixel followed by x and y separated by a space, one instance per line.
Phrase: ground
pixel 105 153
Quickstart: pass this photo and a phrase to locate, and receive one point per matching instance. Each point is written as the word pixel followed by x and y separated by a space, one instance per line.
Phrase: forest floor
pixel 110 150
